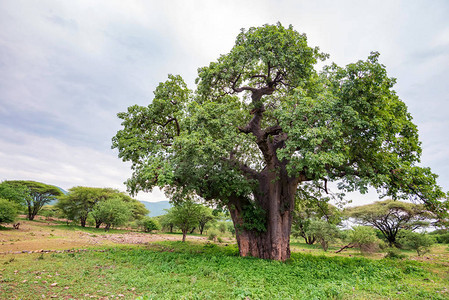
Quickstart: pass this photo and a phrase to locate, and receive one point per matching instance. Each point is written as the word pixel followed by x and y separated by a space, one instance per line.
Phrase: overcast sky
pixel 68 67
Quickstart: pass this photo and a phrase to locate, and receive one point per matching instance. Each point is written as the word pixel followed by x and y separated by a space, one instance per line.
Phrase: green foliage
pixel 15 192
pixel 50 211
pixel 198 271
pixel 390 217
pixel 166 221
pixel 185 215
pixel 112 212
pixel 212 235
pixel 364 238
pixel 311 206
pixel 80 200
pixel 8 211
pixel 394 253
pixel 254 217
pixel 38 194
pixel 323 231
pixel 230 227
pixel 442 238
pixel 205 217
pixel 262 119
pixel 420 242
pixel 149 224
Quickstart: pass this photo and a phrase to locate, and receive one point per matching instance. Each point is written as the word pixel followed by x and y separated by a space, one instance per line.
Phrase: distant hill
pixel 157 208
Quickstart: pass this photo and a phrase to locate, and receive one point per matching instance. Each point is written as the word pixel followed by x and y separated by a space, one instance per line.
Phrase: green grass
pixel 175 270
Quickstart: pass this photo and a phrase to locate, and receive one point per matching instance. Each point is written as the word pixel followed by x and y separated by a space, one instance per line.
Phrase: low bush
pixel 8 211
pixel 442 238
pixel 212 235
pixel 394 253
pixel 420 242
pixel 364 238
pixel 149 224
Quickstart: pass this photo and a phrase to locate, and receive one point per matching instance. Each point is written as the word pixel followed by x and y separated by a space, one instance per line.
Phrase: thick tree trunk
pixel 275 196
pixel 184 233
pixel 83 222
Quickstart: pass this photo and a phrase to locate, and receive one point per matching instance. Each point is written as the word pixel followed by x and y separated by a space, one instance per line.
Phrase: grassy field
pixel 167 269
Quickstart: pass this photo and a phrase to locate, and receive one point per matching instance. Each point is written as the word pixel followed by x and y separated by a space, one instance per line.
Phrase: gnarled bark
pixel 275 196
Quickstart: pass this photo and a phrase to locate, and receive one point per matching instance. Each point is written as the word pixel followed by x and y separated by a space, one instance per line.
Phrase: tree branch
pixel 247 171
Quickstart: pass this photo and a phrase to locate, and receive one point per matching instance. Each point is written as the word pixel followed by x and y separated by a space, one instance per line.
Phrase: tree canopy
pixel 14 192
pixel 112 212
pixel 80 201
pixel 185 216
pixel 391 216
pixel 262 123
pixel 39 195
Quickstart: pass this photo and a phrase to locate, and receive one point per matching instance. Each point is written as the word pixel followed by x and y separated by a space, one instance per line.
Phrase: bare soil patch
pixel 32 236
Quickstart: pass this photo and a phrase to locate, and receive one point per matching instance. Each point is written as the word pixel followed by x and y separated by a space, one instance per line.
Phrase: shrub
pixel 149 224
pixel 222 227
pixel 394 253
pixel 8 211
pixel 442 238
pixel 212 235
pixel 420 242
pixel 112 212
pixel 364 238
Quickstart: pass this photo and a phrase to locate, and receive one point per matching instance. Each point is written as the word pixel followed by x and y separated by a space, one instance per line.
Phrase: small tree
pixel 420 242
pixel 390 217
pixel 166 220
pixel 186 216
pixel 311 205
pixel 112 212
pixel 8 211
pixel 323 232
pixel 205 216
pixel 39 195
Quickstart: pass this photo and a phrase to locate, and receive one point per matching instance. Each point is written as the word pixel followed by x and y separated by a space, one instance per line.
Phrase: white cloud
pixel 66 69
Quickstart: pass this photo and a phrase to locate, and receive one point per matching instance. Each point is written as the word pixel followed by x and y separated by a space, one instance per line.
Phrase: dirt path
pixel 34 236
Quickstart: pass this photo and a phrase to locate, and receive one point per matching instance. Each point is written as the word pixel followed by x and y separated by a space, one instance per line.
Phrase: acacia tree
pixel 391 216
pixel 80 200
pixel 263 122
pixel 39 194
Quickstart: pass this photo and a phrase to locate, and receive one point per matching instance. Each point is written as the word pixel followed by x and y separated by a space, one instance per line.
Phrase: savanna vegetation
pixel 108 266
pixel 262 124
pixel 246 159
